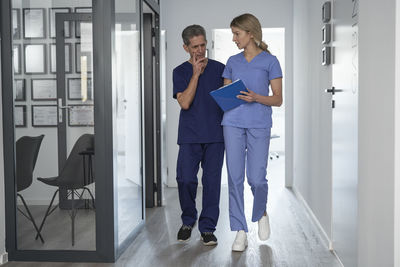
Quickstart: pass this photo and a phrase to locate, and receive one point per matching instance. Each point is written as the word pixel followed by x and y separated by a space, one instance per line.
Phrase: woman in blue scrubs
pixel 247 128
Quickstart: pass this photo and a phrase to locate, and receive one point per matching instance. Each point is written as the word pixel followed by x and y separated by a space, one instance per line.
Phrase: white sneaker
pixel 240 242
pixel 263 228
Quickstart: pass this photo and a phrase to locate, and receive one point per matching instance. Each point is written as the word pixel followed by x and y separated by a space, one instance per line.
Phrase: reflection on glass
pixel 57 211
pixel 128 128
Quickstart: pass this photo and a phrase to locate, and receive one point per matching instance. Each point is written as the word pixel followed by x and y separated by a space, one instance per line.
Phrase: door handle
pixel 60 106
pixel 333 90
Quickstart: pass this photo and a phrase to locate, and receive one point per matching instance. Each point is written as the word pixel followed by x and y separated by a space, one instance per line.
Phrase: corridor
pixel 294 242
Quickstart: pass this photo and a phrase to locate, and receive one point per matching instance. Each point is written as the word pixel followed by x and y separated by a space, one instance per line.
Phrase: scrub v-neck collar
pixel 248 62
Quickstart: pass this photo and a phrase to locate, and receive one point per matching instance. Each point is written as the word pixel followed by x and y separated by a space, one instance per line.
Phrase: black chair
pixel 27 150
pixel 76 174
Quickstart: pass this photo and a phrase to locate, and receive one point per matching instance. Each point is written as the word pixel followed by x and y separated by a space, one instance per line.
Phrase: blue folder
pixel 226 95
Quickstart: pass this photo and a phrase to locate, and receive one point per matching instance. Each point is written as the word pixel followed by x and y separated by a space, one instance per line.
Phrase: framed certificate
pixel 75 91
pixel 34 21
pixel 44 89
pixel 17 58
pixel 53 57
pixel 20 116
pixel 44 115
pixel 16 23
pixel 52 22
pixel 35 58
pixel 20 90
pixel 78 24
pixel 81 115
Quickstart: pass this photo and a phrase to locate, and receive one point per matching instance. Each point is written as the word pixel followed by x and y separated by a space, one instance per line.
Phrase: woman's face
pixel 241 38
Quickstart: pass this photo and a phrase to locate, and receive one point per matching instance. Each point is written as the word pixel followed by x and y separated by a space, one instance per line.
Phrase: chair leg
pixel 73 214
pixel 30 218
pixel 91 195
pixel 48 212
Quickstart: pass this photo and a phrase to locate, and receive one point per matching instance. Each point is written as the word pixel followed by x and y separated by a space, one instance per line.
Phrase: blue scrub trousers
pixel 246 149
pixel 211 157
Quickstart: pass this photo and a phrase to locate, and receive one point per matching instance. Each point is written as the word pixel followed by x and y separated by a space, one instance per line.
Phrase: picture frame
pixel 35 59
pixel 81 115
pixel 53 57
pixel 74 89
pixel 78 54
pixel 44 89
pixel 326 55
pixel 326 12
pixel 77 23
pixel 34 21
pixel 44 115
pixel 20 90
pixel 20 116
pixel 52 22
pixel 16 23
pixel 326 34
pixel 17 58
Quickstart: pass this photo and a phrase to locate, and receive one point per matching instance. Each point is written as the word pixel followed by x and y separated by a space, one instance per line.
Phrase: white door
pixel 345 130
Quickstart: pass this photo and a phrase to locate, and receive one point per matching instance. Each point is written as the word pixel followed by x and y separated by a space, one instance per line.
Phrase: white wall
pixel 377 21
pixel 177 14
pixel 312 113
pixel 397 143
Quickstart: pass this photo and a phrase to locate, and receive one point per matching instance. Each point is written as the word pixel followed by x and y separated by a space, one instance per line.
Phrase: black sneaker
pixel 184 233
pixel 209 239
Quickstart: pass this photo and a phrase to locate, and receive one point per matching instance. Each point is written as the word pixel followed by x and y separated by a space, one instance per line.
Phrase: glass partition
pixel 54 125
pixel 127 122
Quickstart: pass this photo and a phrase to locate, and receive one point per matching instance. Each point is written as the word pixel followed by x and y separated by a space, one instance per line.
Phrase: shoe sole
pixel 240 249
pixel 183 240
pixel 210 243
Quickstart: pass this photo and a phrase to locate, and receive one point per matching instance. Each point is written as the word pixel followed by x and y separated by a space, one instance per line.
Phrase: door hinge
pixel 153 50
pixel 153 32
pixel 333 103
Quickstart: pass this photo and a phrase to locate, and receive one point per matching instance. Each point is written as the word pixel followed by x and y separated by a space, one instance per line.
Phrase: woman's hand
pixel 249 96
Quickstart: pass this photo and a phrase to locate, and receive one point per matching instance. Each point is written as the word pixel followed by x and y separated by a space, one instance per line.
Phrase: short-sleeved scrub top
pixel 201 123
pixel 256 76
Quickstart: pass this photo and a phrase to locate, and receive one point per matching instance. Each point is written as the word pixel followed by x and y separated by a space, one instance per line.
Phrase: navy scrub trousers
pixel 211 156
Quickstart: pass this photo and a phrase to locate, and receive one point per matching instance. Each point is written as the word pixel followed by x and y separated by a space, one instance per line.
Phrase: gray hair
pixel 191 31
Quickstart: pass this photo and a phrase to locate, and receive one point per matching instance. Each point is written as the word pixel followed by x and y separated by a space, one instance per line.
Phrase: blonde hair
pixel 249 23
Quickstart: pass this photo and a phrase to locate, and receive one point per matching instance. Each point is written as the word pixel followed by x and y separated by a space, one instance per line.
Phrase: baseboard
pixel 3 258
pixel 321 230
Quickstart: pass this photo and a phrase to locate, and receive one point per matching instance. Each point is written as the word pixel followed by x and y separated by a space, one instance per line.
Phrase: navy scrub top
pixel 201 123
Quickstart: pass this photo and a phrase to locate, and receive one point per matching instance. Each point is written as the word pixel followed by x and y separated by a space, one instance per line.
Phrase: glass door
pixel 54 126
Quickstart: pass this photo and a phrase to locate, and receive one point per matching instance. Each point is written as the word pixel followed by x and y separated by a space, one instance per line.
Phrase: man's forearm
pixel 185 98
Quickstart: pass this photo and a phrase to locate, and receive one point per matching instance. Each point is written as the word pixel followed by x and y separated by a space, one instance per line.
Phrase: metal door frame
pixel 152 105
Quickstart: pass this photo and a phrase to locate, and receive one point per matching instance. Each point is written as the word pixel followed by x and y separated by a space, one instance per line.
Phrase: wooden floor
pixel 294 239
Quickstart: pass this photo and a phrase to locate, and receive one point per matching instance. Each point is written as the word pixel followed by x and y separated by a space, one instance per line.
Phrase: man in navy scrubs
pixel 200 135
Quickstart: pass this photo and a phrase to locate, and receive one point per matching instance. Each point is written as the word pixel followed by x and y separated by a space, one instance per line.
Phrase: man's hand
pixel 198 65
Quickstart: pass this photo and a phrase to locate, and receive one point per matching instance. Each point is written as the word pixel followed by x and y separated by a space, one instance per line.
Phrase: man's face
pixel 197 47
